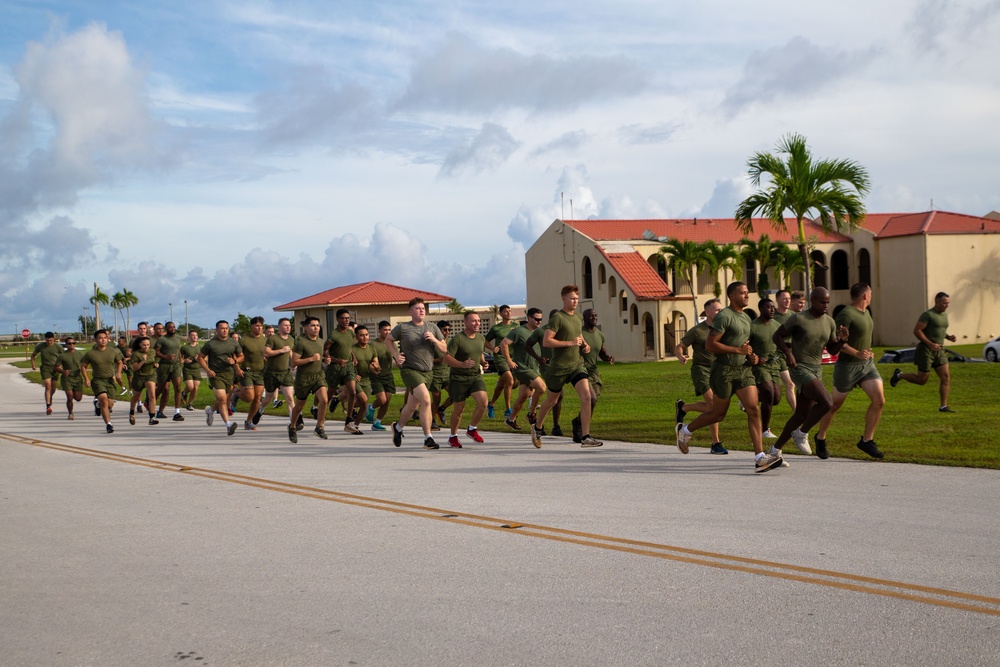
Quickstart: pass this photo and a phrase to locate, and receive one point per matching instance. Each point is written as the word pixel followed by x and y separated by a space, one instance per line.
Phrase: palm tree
pixel 118 303
pixel 721 258
pixel 98 299
pixel 684 257
pixel 833 189
pixel 455 307
pixel 130 300
pixel 762 253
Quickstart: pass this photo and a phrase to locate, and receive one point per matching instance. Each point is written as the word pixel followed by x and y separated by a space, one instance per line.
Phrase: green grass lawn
pixel 638 399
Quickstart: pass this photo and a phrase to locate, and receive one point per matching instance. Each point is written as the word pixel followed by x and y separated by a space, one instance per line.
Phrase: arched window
pixel 649 343
pixel 635 315
pixel 601 274
pixel 623 301
pixel 659 265
pixel 612 289
pixel 588 279
pixel 750 275
pixel 865 266
pixel 841 278
pixel 820 269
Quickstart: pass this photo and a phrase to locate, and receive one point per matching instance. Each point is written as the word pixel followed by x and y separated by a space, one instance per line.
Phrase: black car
pixel 905 356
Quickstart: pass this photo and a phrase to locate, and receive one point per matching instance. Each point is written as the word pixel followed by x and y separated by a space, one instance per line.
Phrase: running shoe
pixel 189 407
pixel 377 426
pixel 441 416
pixel 300 423
pixel 320 432
pixel 397 435
pixel 577 429
pixel 679 413
pixel 801 441
pixel 512 423
pixel 430 444
pixel 48 410
pixel 97 409
pixel 870 448
pixel 474 434
pixel 257 415
pixel 153 421
pixel 277 403
pixel 247 426
pixel 556 431
pixel 821 450
pixel 333 404
pixel 683 439
pixel 370 414
pixel 209 415
pixel 453 442
pixel 531 418
pixel 536 437
pixel 945 408
pixel 590 441
pixel 131 418
pixel 292 435
pixel 160 415
pixel 109 428
pixel 894 380
pixel 351 428
pixel 315 412
pixel 774 451
pixel 231 429
pixel 490 411
pixel 767 462
pixel 768 434
pixel 70 416
pixel 507 413
pixel 178 417
pixel 435 426
pixel 717 448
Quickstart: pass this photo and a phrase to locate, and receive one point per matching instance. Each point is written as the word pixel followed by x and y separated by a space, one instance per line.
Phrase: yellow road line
pixel 980 604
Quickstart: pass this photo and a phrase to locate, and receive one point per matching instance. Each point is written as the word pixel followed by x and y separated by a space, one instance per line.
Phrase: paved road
pixel 176 544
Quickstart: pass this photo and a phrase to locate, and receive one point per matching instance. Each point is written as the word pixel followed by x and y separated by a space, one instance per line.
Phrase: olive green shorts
pixel 441 379
pixel 138 382
pixel 765 373
pixel 847 376
pixel 337 375
pixel 71 383
pixel 364 385
pixel 222 380
pixel 191 372
pixel 462 387
pixel 803 374
pixel 308 384
pixel 727 380
pixel 275 379
pixel 48 372
pixel 927 359
pixel 103 386
pixel 252 378
pixel 500 363
pixel 167 371
pixel 555 380
pixel 701 377
pixel 596 385
pixel 414 378
pixel 525 375
pixel 383 383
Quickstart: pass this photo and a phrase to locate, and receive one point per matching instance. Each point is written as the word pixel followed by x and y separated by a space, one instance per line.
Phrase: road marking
pixel 940 597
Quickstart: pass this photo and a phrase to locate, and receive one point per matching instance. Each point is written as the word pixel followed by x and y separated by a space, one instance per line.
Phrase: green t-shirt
pixel 363 358
pixel 148 360
pixel 463 347
pixel 534 342
pixel 279 363
pixel 519 338
pixel 219 352
pixel 735 331
pixel 189 355
pixel 383 355
pixel 498 332
pixel 104 362
pixel 566 327
pixel 762 339
pixel 695 339
pixel 935 325
pixel 48 353
pixel 341 344
pixel 418 353
pixel 70 361
pixel 170 346
pixel 595 339
pixel 809 335
pixel 306 347
pixel 781 318
pixel 859 325
pixel 253 351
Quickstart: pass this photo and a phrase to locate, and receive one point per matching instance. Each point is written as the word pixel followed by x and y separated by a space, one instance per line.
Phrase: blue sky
pixel 239 155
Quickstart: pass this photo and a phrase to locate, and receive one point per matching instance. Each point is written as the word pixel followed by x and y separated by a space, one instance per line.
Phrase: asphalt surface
pixel 175 544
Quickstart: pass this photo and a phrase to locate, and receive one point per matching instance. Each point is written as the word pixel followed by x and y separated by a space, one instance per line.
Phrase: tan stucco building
pixel 644 310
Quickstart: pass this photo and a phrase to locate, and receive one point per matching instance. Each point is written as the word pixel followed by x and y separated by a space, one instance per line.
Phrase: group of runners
pixel 732 355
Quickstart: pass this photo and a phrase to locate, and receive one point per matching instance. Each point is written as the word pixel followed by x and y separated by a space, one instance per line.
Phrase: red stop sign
pixel 25 333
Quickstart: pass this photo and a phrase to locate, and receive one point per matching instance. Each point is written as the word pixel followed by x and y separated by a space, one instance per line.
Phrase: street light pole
pixel 171 306
pixel 187 326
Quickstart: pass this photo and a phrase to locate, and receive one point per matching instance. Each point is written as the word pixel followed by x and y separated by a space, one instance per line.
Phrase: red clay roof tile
pixel 361 294
pixel 640 277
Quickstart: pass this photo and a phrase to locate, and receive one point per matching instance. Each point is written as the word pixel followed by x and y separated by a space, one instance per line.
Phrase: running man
pixel 307 360
pixel 418 339
pixel 524 367
pixel 783 302
pixel 810 330
pixel 365 359
pixel 383 384
pixel 67 368
pixel 931 332
pixel 190 369
pixel 564 336
pixel 144 375
pixel 219 356
pixel 340 372
pixel 126 352
pixel 278 373
pixel 439 383
pixel 167 351
pixel 855 367
pixel 766 372
pixel 595 340
pixel 505 379
pixel 701 372
pixel 466 357
pixel 729 341
pixel 107 364
pixel 48 352
pixel 251 372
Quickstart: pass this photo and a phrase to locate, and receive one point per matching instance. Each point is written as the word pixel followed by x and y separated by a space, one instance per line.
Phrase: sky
pixel 237 155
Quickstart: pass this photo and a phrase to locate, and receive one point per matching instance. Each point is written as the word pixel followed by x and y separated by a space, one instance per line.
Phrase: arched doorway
pixel 820 269
pixel 648 336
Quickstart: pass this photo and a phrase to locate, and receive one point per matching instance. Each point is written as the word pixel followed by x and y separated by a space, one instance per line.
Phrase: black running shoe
pixel 292 435
pixel 110 428
pixel 97 409
pixel 870 448
pixel 397 436
pixel 894 380
pixel 300 423
pixel 333 405
pixel 821 450
pixel 577 430
pixel 178 417
pixel 679 413
pixel 131 418
pixel 315 412
pixel 154 422
pixel 320 432
pixel 556 431
pixel 231 429
pixel 430 444
pixel 256 416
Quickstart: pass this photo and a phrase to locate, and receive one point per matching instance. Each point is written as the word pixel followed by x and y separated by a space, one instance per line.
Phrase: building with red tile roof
pixel 644 310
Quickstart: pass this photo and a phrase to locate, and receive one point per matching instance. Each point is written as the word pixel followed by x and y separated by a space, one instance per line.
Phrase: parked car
pixel 905 356
pixel 991 351
pixel 828 358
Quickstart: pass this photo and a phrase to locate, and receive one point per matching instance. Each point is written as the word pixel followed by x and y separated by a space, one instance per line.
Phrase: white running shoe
pixel 209 415
pixel 768 434
pixel 683 439
pixel 777 452
pixel 801 441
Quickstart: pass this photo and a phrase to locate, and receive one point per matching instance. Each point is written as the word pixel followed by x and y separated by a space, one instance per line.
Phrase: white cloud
pixel 485 151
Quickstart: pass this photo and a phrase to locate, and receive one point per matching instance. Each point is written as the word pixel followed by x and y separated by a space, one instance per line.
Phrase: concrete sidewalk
pixel 249 550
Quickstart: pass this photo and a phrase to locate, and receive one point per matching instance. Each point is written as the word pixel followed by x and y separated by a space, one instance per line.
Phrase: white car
pixel 991 351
